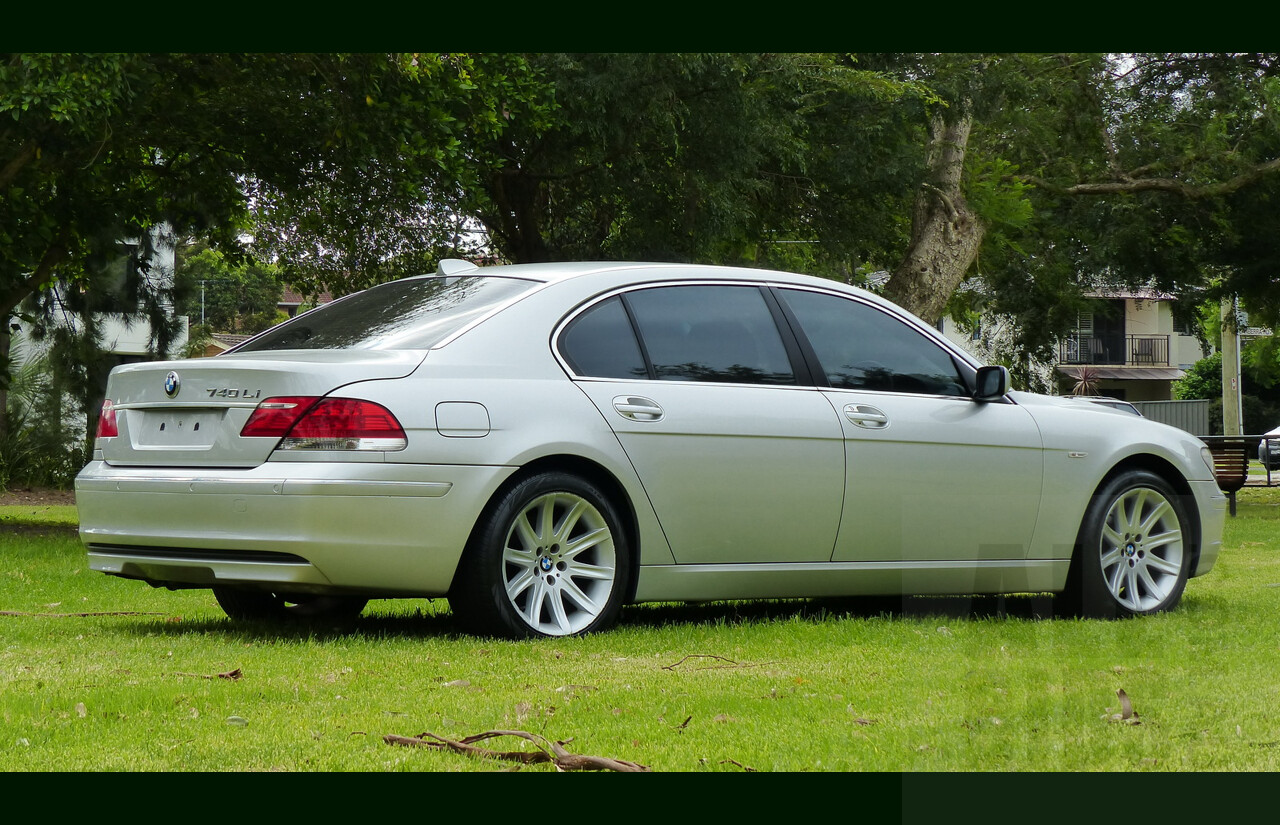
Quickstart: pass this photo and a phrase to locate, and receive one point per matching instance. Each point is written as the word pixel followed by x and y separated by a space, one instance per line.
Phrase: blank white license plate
pixel 185 428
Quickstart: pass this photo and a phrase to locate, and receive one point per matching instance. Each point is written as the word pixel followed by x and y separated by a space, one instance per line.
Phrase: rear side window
pixel 601 343
pixel 415 313
pixel 861 348
pixel 710 333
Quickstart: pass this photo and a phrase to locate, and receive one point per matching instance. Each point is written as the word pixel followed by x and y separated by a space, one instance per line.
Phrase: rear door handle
pixel 865 415
pixel 638 408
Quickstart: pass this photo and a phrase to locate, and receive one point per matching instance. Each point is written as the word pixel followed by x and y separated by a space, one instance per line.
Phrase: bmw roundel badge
pixel 172 384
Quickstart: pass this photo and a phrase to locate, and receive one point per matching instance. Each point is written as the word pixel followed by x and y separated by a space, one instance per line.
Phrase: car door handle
pixel 864 415
pixel 637 408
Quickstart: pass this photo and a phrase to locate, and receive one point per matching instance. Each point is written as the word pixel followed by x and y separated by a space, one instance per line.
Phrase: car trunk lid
pixel 190 413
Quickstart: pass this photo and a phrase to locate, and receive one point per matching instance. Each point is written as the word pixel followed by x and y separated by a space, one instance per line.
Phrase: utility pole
pixel 1232 423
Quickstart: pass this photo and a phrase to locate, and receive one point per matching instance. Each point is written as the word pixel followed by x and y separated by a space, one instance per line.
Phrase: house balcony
pixel 1115 350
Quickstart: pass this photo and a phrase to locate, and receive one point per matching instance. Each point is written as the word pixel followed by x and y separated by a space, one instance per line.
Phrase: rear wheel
pixel 549 558
pixel 243 604
pixel 1133 556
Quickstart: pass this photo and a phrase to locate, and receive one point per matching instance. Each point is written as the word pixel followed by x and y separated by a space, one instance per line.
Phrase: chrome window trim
pixel 910 320
pixel 931 333
pixel 572 314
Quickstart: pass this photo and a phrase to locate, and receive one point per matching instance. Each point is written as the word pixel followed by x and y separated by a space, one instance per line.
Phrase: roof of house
pixel 227 340
pixel 291 297
pixel 1140 294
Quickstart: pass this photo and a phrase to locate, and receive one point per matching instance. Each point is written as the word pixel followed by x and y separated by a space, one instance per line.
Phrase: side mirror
pixel 992 383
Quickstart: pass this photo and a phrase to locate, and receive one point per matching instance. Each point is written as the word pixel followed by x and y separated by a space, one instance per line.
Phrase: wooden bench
pixel 1230 464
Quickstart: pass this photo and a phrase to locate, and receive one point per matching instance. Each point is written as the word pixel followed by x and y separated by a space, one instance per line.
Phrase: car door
pixel 932 475
pixel 742 461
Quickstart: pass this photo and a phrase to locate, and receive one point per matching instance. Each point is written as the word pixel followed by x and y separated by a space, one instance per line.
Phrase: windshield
pixel 414 313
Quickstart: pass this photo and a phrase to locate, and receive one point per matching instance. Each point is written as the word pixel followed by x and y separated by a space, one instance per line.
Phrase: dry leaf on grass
pixel 1127 715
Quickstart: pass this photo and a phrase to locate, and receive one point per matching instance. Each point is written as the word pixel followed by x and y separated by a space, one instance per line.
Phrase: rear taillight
pixel 310 423
pixel 274 417
pixel 107 427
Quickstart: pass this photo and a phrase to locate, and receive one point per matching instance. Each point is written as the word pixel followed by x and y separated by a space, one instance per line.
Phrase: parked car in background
pixel 1269 449
pixel 542 444
pixel 1113 403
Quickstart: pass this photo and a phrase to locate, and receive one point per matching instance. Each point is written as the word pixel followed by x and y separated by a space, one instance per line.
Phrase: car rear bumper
pixel 379 529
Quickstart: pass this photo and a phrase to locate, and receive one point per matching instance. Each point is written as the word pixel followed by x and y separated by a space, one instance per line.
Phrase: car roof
pixel 563 271
pixel 566 271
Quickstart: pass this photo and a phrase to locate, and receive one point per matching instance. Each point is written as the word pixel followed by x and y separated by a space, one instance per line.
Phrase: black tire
pixel 246 605
pixel 1133 554
pixel 548 558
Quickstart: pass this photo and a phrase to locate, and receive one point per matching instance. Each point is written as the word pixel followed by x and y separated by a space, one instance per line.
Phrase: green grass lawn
pixel 101 674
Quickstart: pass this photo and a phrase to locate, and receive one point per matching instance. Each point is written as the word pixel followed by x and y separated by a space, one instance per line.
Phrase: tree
pixel 95 149
pixel 1148 170
pixel 226 296
pixel 1260 396
pixel 395 210
pixel 671 157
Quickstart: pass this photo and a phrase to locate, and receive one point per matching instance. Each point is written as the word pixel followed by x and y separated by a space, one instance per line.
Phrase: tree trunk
pixel 945 233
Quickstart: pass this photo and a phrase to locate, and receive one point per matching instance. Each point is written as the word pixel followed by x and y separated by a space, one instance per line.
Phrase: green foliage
pixel 1148 170
pixel 102 148
pixel 997 195
pixel 1260 361
pixel 385 202
pixel 1203 379
pixel 722 158
pixel 335 151
pixel 1260 397
pixel 41 446
pixel 226 296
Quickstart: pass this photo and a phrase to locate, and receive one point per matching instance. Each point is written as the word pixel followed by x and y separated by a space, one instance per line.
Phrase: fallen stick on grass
pixel 557 755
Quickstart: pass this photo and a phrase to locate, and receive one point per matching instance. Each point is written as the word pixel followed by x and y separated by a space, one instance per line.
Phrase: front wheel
pixel 243 604
pixel 1133 556
pixel 549 558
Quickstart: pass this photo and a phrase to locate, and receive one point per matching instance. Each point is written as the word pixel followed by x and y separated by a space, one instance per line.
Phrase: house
pixel 292 302
pixel 220 342
pixel 1130 345
pixel 124 339
pixel 1127 346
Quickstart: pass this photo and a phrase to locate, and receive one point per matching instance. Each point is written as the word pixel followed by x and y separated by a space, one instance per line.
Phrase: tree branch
pixel 946 201
pixel 11 169
pixel 53 256
pixel 1171 185
pixel 547 751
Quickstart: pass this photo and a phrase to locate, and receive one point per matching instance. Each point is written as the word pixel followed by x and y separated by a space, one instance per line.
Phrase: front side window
pixel 723 334
pixel 415 313
pixel 862 348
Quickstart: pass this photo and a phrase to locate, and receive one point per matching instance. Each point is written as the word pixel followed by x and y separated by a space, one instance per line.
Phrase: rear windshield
pixel 415 313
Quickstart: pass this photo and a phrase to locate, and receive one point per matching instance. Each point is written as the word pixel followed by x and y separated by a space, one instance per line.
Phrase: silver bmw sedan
pixel 543 444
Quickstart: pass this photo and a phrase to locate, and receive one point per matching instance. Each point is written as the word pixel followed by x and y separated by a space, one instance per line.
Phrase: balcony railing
pixel 1126 350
